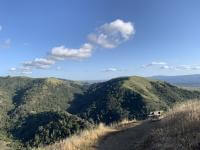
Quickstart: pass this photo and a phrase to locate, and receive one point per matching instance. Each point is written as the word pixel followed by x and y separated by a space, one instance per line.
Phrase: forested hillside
pixel 36 112
pixel 30 107
pixel 128 97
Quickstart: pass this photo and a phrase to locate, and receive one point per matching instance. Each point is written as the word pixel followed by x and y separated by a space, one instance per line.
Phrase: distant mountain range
pixel 183 80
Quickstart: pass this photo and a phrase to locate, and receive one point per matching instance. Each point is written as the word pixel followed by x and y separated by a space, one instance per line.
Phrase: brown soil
pixel 127 137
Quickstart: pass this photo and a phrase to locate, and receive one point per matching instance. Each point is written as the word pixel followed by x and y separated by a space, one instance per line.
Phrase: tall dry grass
pixel 87 139
pixel 179 130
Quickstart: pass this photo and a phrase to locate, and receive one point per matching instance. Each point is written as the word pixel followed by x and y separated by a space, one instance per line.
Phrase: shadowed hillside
pixel 47 127
pixel 128 97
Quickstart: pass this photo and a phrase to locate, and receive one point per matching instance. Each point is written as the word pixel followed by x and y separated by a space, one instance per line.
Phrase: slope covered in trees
pixel 35 112
pixel 31 107
pixel 128 97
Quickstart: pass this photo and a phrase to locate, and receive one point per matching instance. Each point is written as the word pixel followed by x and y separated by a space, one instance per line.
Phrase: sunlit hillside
pixel 179 129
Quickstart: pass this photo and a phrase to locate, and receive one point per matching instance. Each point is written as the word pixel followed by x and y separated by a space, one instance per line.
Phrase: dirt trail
pixel 127 137
pixel 3 146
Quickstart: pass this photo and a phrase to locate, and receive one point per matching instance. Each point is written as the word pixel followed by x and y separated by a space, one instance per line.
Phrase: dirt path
pixel 127 137
pixel 3 146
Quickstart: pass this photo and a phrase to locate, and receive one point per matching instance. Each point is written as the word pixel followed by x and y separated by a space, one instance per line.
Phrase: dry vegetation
pixel 180 129
pixel 87 139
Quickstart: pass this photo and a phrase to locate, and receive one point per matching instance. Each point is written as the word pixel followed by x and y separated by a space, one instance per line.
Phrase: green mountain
pixel 35 112
pixel 128 97
pixel 24 98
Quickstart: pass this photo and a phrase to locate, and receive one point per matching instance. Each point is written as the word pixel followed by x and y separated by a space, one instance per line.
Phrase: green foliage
pixel 171 94
pixel 109 102
pixel 25 97
pixel 47 127
pixel 129 97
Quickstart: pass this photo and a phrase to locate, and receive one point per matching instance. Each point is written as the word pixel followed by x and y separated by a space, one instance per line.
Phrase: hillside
pixel 24 98
pixel 178 129
pixel 128 97
pixel 41 111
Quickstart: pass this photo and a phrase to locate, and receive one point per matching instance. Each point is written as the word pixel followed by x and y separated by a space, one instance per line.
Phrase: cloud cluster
pixel 22 70
pixel 154 63
pixel 57 54
pixel 39 63
pixel 183 67
pixel 110 35
pixel 112 69
pixel 165 66
pixel 13 69
pixel 61 53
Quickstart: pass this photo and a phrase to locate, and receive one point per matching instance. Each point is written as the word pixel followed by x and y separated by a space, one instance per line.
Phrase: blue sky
pixel 93 39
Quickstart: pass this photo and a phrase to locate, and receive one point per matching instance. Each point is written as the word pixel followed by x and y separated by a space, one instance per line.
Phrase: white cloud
pixel 196 67
pixel 102 40
pixel 158 63
pixel 1 28
pixel 57 53
pixel 154 63
pixel 21 70
pixel 164 66
pixel 61 52
pixel 126 29
pixel 168 67
pixel 39 63
pixel 188 67
pixel 12 69
pixel 112 70
pixel 110 35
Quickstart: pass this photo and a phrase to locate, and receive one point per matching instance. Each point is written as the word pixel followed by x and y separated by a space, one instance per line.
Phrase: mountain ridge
pixel 181 80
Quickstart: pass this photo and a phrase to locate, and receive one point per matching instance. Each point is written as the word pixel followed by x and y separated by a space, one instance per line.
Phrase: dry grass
pixel 87 139
pixel 180 129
